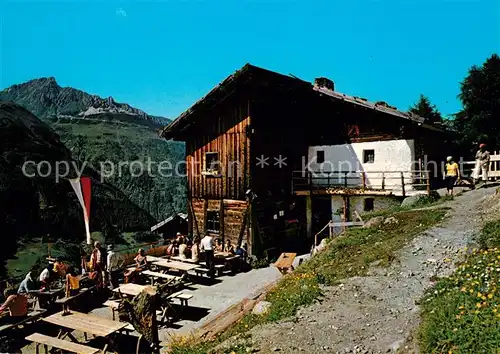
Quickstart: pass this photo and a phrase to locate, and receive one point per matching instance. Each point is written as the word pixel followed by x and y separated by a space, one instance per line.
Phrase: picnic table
pixel 45 299
pixel 285 261
pixel 186 260
pixel 130 289
pixel 220 254
pixel 184 267
pixel 154 259
pixel 157 275
pixel 86 323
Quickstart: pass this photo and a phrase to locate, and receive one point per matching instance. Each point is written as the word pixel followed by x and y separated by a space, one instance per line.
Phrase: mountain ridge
pixel 47 100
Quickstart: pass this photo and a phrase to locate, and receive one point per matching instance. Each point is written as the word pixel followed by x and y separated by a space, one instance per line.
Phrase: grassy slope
pixel 461 313
pixel 96 143
pixel 346 256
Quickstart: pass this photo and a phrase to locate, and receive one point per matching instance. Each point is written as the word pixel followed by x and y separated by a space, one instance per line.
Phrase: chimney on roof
pixel 324 83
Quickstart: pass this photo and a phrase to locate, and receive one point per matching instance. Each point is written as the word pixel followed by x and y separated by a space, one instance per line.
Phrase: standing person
pixel 482 164
pixel 46 277
pixel 72 282
pixel 98 262
pixel 114 264
pixel 452 174
pixel 17 304
pixel 207 246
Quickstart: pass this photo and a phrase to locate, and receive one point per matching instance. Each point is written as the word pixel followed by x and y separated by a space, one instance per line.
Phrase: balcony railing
pixel 395 182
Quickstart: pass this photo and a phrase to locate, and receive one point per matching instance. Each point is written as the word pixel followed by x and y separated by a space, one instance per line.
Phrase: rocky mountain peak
pixel 46 99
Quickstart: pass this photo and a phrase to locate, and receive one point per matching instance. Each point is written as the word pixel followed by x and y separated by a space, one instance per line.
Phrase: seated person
pixel 27 285
pixel 141 263
pixel 229 247
pixel 219 247
pixel 72 282
pixel 172 249
pixel 17 304
pixel 195 249
pixel 182 250
pixel 242 251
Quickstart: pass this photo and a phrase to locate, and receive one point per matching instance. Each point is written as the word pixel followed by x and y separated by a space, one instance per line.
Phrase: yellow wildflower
pixel 464 289
pixel 490 296
pixel 479 294
pixel 478 305
pixel 461 307
pixel 483 297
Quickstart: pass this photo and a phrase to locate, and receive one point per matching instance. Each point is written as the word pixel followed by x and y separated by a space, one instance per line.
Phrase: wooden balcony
pixel 399 183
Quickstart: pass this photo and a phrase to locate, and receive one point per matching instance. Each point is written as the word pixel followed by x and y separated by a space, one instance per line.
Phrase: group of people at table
pixel 16 301
pixel 105 268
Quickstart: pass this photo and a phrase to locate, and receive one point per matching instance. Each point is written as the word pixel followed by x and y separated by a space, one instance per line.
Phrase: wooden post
pixel 403 183
pixel 383 180
pixel 205 207
pixel 363 178
pixel 221 220
pixel 428 182
pixel 309 216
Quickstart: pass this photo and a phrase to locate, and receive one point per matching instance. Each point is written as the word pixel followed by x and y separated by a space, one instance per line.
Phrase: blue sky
pixel 161 56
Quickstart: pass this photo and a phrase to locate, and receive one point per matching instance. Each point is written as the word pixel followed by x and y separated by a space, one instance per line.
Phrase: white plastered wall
pixel 391 157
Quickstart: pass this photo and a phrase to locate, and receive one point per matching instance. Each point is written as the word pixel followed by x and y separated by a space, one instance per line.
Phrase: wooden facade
pixel 246 124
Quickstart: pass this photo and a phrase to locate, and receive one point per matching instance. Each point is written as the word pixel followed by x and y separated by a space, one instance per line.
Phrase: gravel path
pixel 378 313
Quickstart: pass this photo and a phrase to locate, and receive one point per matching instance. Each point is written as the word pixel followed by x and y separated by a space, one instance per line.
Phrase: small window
pixel 369 204
pixel 368 156
pixel 320 156
pixel 213 224
pixel 212 163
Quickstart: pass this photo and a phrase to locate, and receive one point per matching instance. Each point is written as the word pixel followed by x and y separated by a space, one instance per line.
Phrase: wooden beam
pixel 205 207
pixel 221 220
pixel 309 216
pixel 190 205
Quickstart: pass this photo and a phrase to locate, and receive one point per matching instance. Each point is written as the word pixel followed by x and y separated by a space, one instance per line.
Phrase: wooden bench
pixel 154 275
pixel 183 298
pixel 32 317
pixel 219 268
pixel 46 341
pixel 65 301
pixel 113 305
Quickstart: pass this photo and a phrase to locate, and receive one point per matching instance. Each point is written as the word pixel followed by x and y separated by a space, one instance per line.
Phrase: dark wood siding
pixel 227 136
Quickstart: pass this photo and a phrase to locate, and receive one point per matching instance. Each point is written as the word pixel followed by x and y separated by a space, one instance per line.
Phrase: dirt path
pixel 378 313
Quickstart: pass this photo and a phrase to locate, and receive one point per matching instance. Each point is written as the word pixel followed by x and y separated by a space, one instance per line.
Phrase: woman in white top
pixel 182 250
pixel 195 249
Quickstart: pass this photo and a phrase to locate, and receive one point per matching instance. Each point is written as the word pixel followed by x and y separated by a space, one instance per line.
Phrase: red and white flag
pixel 81 186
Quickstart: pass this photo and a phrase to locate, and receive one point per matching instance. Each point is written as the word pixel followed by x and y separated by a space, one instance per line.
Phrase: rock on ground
pixel 374 222
pixel 378 313
pixel 261 308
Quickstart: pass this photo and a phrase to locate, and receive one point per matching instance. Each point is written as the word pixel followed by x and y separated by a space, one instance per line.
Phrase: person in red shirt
pixel 17 304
